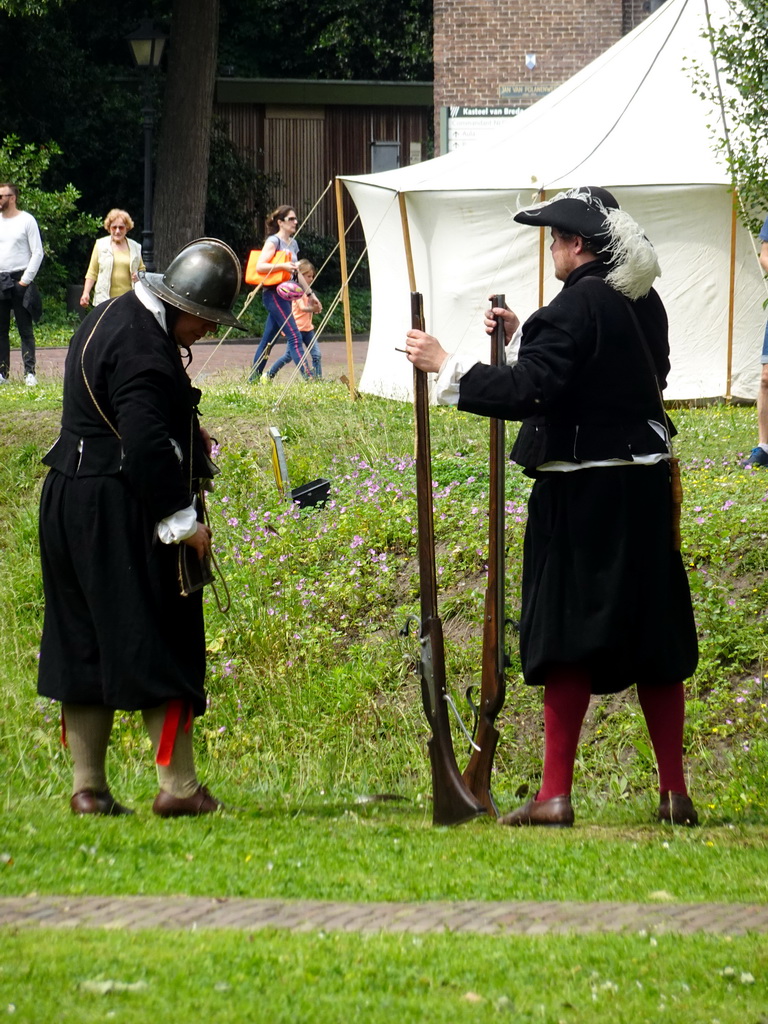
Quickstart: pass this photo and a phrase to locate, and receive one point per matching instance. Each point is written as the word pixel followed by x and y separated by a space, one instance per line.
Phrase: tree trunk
pixel 185 133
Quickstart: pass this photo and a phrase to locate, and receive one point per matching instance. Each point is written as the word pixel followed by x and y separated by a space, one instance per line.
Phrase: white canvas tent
pixel 631 122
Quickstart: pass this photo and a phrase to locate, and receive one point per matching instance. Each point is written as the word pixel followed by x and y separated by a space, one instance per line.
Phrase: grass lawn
pixel 284 978
pixel 314 710
pixel 332 848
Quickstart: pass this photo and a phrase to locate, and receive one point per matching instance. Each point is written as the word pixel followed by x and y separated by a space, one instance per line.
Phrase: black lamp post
pixel 147 45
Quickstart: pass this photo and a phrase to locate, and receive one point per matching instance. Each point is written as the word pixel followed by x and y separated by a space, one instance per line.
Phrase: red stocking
pixel 566 699
pixel 664 710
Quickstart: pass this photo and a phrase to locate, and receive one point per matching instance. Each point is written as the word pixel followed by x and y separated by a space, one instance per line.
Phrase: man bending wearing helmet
pixel 605 599
pixel 116 505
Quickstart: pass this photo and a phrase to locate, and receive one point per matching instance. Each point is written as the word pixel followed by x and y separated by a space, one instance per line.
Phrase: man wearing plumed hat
pixel 605 598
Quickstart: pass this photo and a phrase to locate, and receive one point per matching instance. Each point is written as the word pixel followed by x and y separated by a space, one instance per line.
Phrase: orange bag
pixel 276 276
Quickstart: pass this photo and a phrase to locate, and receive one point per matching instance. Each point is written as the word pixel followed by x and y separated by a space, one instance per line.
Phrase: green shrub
pixel 25 165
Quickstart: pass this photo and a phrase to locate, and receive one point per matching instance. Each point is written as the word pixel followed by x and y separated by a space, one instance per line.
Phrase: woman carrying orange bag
pixel 281 227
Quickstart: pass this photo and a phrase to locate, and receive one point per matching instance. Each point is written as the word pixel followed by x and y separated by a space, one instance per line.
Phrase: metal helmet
pixel 203 278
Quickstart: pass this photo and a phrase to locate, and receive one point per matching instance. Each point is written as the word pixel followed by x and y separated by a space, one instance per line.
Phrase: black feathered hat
pixel 582 211
pixel 594 214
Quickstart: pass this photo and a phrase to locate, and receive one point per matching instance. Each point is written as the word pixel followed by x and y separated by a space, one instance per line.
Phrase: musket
pixel 477 774
pixel 452 802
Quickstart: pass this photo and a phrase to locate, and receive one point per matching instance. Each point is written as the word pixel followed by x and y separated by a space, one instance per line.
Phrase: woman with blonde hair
pixel 115 261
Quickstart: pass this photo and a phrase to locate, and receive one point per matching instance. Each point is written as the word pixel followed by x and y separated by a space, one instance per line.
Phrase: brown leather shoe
pixel 554 813
pixel 92 801
pixel 677 809
pixel 201 802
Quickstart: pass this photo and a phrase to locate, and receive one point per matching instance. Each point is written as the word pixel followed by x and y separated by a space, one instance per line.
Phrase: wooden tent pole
pixel 407 242
pixel 542 257
pixel 731 299
pixel 412 288
pixel 345 288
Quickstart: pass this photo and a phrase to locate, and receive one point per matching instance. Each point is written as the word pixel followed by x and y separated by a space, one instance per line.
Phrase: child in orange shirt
pixel 303 308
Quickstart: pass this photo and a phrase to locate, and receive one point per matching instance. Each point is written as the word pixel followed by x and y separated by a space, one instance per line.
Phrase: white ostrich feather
pixel 631 256
pixel 634 266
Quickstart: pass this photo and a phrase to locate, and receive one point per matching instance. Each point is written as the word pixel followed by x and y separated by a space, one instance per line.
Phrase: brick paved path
pixel 469 917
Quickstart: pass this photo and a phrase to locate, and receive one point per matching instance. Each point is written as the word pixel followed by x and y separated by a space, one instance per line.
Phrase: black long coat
pixel 602 587
pixel 117 631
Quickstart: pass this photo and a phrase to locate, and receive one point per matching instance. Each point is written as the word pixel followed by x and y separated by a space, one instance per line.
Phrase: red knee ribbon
pixel 173 714
pixel 63 729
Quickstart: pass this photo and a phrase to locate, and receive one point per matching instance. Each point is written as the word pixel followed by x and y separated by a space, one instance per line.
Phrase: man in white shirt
pixel 21 253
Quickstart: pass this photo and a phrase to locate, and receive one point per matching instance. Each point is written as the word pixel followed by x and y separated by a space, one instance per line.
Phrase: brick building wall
pixel 480 46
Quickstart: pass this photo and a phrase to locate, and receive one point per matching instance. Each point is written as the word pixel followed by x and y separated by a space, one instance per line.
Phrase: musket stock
pixel 477 774
pixel 452 802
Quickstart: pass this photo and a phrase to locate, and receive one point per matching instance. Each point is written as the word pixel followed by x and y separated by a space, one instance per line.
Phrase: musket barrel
pixel 452 802
pixel 477 774
pixel 427 566
pixel 498 465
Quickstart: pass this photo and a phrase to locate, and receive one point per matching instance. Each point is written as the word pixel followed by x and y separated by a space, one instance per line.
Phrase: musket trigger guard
pixel 460 720
pixel 474 708
pixel 405 630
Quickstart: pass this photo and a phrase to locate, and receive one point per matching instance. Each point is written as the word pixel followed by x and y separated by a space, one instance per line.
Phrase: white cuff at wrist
pixel 177 527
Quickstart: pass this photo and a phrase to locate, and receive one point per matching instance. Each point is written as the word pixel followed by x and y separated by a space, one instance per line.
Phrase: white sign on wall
pixel 466 125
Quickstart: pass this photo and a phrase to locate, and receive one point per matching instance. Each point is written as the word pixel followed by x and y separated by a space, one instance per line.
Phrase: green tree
pixel 56 212
pixel 391 39
pixel 68 76
pixel 740 48
pixel 28 8
pixel 351 39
